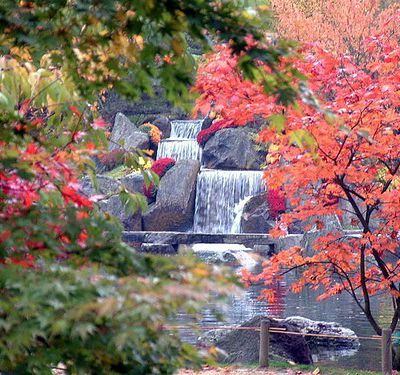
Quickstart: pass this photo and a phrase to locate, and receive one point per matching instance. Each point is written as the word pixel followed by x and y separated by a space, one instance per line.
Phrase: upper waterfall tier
pixel 182 143
pixel 179 149
pixel 218 192
pixel 187 129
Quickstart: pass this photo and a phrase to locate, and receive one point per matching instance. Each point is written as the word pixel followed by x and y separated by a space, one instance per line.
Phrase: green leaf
pixel 277 122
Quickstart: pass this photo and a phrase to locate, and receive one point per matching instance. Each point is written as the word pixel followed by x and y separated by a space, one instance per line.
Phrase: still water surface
pixel 342 310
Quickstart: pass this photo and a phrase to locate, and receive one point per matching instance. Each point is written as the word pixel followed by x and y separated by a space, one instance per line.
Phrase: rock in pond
pixel 232 148
pixel 174 206
pixel 347 338
pixel 126 135
pixel 242 346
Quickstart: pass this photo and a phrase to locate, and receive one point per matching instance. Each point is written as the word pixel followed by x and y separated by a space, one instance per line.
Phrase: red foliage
pixel 39 185
pixel 206 134
pixel 276 202
pixel 159 167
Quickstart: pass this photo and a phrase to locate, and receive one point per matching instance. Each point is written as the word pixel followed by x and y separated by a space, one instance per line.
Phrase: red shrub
pixel 206 134
pixel 159 167
pixel 276 201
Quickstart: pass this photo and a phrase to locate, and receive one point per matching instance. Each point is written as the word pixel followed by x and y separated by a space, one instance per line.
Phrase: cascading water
pixel 218 193
pixel 179 149
pixel 187 129
pixel 182 143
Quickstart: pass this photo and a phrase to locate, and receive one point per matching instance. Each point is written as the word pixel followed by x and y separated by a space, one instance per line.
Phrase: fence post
pixel 264 343
pixel 387 351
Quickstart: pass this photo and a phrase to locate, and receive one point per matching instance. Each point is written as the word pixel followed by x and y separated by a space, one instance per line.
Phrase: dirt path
pixel 240 371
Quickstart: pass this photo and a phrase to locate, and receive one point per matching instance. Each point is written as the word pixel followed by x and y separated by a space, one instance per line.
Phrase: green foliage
pixel 122 43
pixel 91 322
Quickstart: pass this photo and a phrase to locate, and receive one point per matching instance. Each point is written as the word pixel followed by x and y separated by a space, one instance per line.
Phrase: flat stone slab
pixel 181 238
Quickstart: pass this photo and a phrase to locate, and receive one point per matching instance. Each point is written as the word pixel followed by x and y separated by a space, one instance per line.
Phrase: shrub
pixel 206 134
pixel 159 167
pixel 153 131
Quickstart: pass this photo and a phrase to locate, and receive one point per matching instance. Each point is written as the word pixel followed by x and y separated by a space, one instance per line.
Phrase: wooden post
pixel 264 343
pixel 387 351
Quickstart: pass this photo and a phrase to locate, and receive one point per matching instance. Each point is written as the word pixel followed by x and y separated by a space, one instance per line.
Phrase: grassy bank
pixel 323 369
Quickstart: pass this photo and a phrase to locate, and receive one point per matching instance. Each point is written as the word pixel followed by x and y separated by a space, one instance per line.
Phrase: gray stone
pixel 242 346
pixel 146 107
pixel 255 216
pixel 155 248
pixel 232 148
pixel 164 125
pixel 174 238
pixel 133 182
pixel 174 207
pixel 126 135
pixel 106 186
pixel 114 207
pixel 345 338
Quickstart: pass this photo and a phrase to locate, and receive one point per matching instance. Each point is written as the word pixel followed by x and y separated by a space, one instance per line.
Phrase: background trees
pixel 339 25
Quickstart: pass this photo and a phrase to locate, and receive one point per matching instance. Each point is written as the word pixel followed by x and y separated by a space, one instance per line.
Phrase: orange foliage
pixel 340 150
pixel 337 25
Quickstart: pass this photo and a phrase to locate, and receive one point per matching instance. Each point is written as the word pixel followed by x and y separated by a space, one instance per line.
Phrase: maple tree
pixel 336 152
pixel 342 160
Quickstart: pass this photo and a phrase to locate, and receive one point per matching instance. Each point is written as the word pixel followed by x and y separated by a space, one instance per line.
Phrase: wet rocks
pixel 232 148
pixel 174 206
pixel 256 215
pixel 242 346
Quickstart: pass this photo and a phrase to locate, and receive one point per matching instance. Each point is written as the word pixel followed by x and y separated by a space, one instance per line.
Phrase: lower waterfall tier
pixel 218 193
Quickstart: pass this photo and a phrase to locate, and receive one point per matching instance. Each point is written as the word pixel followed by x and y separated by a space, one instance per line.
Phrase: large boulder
pixel 256 215
pixel 174 206
pixel 114 207
pixel 242 346
pixel 105 186
pixel 126 135
pixel 164 125
pixel 133 182
pixel 232 148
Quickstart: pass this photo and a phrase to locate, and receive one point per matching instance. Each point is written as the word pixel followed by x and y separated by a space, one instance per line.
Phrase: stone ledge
pixel 180 238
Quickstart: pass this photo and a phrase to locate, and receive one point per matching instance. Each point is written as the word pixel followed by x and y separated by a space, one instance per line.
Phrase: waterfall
pixel 187 129
pixel 182 143
pixel 218 193
pixel 236 226
pixel 179 149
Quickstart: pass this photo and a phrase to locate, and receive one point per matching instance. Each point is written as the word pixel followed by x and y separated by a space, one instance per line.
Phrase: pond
pixel 341 309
